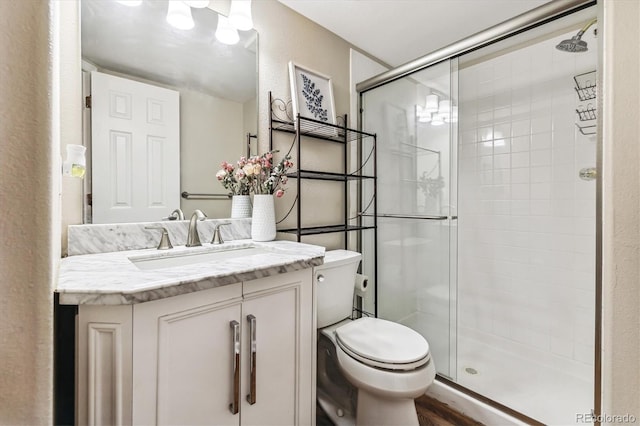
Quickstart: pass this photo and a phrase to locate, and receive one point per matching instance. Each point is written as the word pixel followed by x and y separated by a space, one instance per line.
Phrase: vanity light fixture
pixel 240 14
pixel 444 109
pixel 423 116
pixel 226 33
pixel 197 4
pixel 437 120
pixel 130 3
pixel 431 103
pixel 179 15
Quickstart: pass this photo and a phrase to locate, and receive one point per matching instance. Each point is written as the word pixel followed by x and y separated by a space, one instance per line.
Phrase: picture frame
pixel 311 94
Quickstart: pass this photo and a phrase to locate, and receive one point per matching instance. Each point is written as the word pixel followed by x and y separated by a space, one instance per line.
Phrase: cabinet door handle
pixel 235 354
pixel 251 397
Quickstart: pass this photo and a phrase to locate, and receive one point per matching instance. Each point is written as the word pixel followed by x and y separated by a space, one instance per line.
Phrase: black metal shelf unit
pixel 282 120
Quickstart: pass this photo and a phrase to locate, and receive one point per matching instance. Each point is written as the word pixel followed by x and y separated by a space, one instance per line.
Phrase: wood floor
pixel 430 413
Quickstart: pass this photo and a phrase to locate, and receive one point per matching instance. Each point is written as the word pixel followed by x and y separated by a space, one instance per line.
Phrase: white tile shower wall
pixel 526 220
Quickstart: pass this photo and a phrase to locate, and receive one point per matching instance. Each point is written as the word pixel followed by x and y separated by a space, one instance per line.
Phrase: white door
pixel 135 150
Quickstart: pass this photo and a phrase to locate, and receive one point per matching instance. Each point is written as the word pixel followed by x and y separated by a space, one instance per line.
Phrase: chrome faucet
pixel 193 239
pixel 165 242
pixel 217 236
pixel 177 213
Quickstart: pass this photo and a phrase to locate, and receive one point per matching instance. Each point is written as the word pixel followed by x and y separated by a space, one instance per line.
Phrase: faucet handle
pixel 165 242
pixel 217 237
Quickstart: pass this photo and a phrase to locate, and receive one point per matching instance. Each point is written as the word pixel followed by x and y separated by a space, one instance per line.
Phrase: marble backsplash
pixel 104 238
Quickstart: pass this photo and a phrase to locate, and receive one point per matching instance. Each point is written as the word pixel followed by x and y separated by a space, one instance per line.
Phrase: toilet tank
pixel 335 284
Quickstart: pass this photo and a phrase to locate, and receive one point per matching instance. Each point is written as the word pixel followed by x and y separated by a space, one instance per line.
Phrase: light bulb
pixel 240 14
pixel 437 120
pixel 130 3
pixel 432 103
pixel 424 117
pixel 179 15
pixel 197 4
pixel 226 33
pixel 444 106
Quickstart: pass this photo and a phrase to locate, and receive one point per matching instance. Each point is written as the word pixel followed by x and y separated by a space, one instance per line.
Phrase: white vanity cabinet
pixel 240 354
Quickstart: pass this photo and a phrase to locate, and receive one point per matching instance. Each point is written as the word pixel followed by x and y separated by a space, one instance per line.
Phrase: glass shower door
pixel 413 118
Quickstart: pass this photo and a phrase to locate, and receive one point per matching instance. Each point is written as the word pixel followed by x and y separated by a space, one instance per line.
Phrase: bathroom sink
pixel 183 258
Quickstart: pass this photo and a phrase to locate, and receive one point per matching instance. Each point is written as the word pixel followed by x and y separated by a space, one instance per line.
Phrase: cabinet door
pixel 104 364
pixel 184 358
pixel 282 310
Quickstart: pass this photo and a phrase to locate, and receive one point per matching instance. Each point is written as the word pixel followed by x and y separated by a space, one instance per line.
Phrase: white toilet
pixel 386 364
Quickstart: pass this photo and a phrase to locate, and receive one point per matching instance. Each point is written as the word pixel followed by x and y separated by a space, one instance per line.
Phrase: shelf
pixel 320 130
pixel 309 130
pixel 586 85
pixel 315 230
pixel 338 177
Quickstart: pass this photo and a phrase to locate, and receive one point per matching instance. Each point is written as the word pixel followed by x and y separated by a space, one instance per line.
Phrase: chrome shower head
pixel 576 44
pixel 573 45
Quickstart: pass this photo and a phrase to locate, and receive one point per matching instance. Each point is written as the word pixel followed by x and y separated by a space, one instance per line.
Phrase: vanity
pixel 218 334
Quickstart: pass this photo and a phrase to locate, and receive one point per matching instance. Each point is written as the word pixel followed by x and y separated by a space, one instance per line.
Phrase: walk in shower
pixel 486 215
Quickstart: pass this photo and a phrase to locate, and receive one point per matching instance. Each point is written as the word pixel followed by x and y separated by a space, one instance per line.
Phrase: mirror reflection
pixel 168 106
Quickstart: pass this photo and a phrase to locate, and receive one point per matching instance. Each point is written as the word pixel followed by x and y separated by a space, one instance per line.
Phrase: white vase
pixel 263 219
pixel 240 206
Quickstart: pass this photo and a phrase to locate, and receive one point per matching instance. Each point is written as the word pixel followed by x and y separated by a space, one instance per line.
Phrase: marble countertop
pixel 113 279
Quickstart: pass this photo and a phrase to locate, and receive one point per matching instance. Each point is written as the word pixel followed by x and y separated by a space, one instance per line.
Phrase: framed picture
pixel 311 94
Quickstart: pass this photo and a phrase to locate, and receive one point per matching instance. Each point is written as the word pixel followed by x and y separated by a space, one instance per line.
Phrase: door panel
pixel 277 368
pixel 195 367
pixel 135 150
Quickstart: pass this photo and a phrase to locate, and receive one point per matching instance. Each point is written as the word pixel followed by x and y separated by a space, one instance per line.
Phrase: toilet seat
pixel 383 344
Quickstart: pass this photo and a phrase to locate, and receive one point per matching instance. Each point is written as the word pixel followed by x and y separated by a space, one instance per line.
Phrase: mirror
pixel 217 91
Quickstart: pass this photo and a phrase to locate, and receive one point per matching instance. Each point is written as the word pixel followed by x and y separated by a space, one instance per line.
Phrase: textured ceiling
pixel 398 31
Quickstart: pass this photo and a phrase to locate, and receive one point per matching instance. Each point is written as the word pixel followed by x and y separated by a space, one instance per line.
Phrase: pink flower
pixel 221 174
pixel 279 193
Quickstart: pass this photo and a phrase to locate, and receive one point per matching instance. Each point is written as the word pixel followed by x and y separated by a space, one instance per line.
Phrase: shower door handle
pixel 251 397
pixel 235 355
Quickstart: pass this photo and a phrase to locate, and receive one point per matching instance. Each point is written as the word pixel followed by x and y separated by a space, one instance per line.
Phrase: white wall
pixel 29 246
pixel 212 131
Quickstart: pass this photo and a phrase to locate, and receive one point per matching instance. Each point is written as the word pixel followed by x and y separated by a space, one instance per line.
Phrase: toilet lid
pixel 383 344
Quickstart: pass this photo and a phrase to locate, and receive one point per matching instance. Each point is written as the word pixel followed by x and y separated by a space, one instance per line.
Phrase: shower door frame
pixel 534 18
